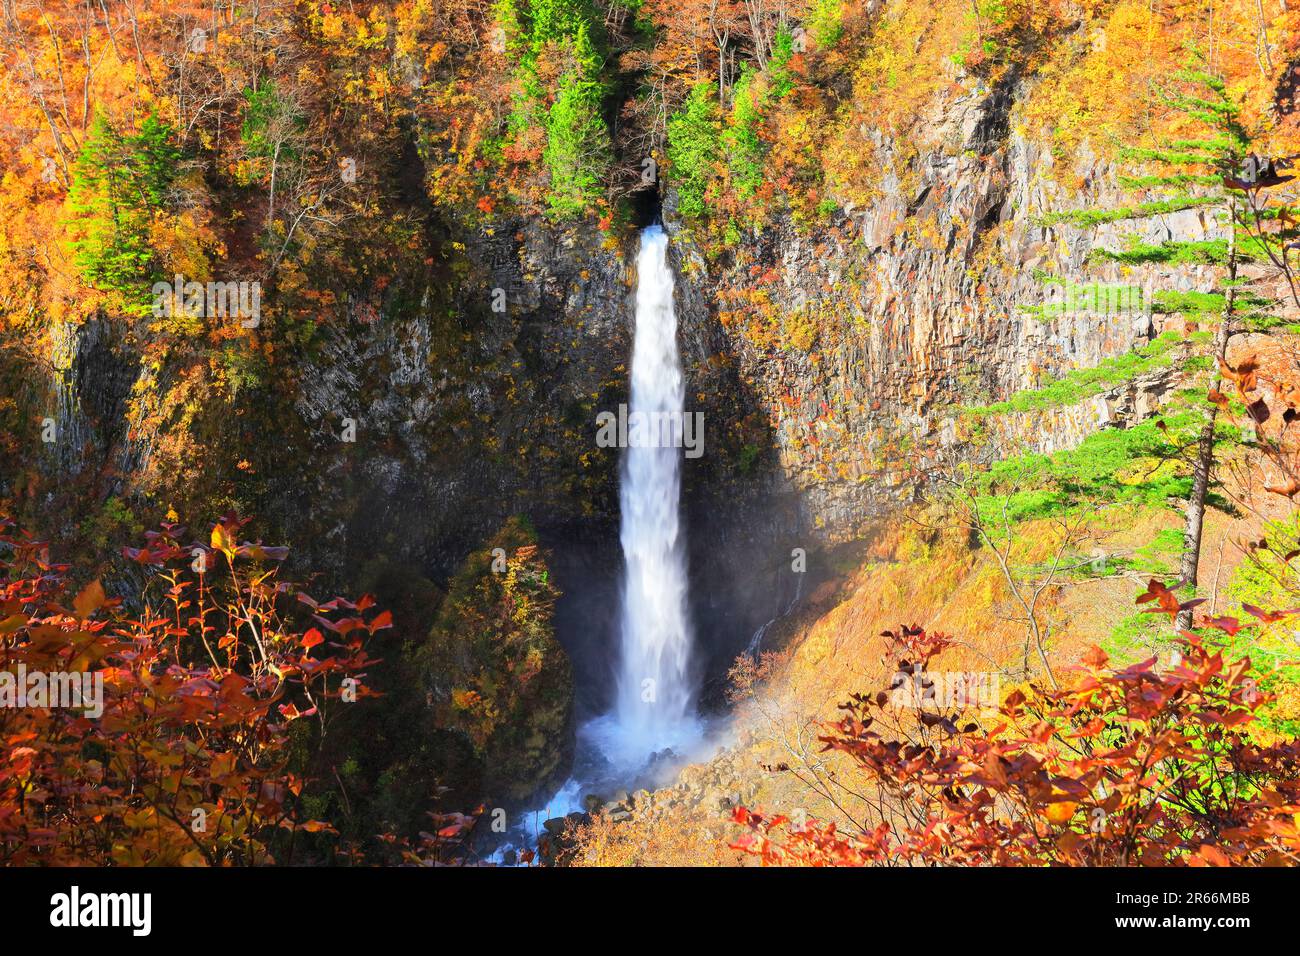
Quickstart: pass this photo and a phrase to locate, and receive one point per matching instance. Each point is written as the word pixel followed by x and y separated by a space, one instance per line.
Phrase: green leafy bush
pixel 577 140
pixel 741 139
pixel 825 23
pixel 561 35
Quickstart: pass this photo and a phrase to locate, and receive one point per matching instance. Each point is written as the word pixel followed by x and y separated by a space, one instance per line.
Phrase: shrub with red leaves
pixel 1142 765
pixel 189 761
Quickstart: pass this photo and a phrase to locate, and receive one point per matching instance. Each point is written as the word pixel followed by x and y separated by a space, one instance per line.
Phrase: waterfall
pixel 755 645
pixel 655 693
pixel 655 705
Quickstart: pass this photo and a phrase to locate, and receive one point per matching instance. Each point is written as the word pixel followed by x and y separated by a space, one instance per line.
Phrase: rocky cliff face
pixel 919 309
pixel 472 406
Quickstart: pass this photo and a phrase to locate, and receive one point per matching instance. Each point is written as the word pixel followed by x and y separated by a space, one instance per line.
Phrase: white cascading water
pixel 655 696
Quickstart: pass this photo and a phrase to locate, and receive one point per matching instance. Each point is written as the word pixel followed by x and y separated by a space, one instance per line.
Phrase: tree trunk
pixel 1204 462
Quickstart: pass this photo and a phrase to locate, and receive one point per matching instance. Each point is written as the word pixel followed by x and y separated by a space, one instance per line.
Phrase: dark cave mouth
pixel 646 206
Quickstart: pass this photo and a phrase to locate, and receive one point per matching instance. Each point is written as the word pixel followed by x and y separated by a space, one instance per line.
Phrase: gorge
pixel 659 369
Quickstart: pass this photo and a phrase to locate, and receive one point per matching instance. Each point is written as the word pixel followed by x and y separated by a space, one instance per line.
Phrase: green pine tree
pixel 578 147
pixel 120 182
pixel 1216 172
pixel 693 132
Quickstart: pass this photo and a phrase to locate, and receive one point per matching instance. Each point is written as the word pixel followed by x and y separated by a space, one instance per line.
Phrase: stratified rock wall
pixel 920 303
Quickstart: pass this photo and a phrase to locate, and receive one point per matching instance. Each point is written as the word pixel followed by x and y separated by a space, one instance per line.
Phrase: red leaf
pixel 1229 625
